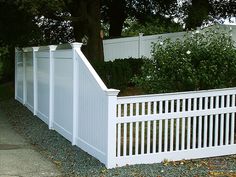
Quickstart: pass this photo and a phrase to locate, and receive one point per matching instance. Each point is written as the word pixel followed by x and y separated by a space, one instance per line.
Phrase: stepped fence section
pixel 58 85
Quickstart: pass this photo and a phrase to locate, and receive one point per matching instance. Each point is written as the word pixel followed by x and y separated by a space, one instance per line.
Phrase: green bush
pixel 201 60
pixel 118 73
pixel 5 69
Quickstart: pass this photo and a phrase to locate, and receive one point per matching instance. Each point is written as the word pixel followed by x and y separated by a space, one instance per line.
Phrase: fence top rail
pixel 165 35
pixel 176 95
pixel 120 40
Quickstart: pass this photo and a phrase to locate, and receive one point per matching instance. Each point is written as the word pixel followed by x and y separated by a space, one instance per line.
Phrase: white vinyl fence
pixel 175 126
pixel 59 86
pixel 139 46
pixel 135 47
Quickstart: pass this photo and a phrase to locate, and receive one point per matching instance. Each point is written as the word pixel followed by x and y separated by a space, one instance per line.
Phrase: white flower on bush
pixel 188 52
pixel 161 43
pixel 197 31
pixel 148 77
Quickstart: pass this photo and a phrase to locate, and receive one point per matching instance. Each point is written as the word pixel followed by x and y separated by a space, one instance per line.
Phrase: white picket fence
pixel 175 126
pixel 59 86
pixel 139 46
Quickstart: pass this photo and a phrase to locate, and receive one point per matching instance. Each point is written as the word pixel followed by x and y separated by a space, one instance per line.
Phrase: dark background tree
pixel 44 22
pixel 198 12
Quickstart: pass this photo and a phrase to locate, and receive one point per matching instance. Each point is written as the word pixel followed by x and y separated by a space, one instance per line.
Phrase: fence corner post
pixel 75 46
pixel 140 46
pixel 51 85
pixel 111 128
pixel 35 81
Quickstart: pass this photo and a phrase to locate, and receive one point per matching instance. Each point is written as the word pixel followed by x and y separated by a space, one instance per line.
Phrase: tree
pixel 115 12
pixel 199 11
pixel 86 25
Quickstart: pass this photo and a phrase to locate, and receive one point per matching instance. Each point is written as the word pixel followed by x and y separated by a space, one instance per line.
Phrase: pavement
pixel 18 158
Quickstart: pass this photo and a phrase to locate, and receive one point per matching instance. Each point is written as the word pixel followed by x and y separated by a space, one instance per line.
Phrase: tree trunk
pixel 117 17
pixel 88 27
pixel 197 13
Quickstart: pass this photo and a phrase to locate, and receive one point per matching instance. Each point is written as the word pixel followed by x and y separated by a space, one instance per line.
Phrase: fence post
pixel 75 46
pixel 111 128
pixel 51 86
pixel 16 69
pixel 24 77
pixel 140 47
pixel 35 49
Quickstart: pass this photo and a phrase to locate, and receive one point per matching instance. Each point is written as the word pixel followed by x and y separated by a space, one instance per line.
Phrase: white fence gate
pixel 59 85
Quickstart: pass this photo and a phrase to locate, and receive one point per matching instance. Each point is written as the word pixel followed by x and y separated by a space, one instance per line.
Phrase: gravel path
pixel 75 162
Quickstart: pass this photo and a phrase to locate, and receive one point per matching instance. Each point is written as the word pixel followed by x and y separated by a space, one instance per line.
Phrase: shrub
pixel 201 60
pixel 118 73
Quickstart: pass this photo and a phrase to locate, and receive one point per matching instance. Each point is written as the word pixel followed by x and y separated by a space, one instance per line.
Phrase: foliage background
pixel 201 60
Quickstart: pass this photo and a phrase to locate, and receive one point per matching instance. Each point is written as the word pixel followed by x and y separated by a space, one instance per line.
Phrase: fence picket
pixel 148 137
pixel 131 138
pixel 166 128
pixel 160 137
pixel 211 122
pixel 221 129
pixel 118 140
pixel 125 140
pixel 136 138
pixel 154 135
pixel 172 127
pixel 142 137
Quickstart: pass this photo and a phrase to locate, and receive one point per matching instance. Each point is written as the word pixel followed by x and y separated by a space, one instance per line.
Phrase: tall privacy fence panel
pixel 141 46
pixel 58 85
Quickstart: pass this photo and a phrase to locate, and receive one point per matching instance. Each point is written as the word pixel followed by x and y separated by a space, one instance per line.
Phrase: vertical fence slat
pixel 189 126
pixel 232 128
pixel 131 138
pixel 125 110
pixel 172 127
pixel 154 135
pixel 155 107
pixel 136 137
pixel 119 110
pixel 227 129
pixel 211 122
pixel 199 131
pixel 166 128
pixel 148 137
pixel 227 121
pixel 118 140
pixel 183 134
pixel 205 131
pixel 216 123
pixel 142 137
pixel 125 140
pixel 160 137
pixel 194 124
pixel 232 122
pixel 177 135
pixel 221 129
pixel 188 132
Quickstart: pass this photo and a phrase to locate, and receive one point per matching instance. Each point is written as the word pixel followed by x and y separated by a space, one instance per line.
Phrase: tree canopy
pixel 43 22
